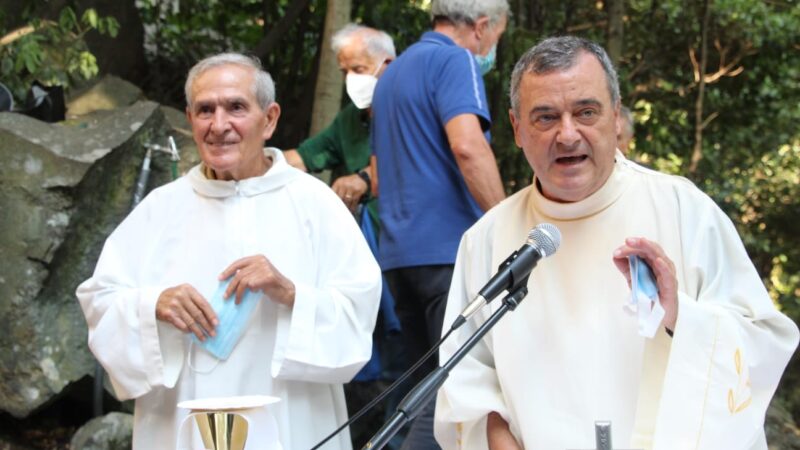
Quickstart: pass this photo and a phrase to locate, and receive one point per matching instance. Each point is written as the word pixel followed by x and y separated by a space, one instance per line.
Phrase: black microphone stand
pixel 425 390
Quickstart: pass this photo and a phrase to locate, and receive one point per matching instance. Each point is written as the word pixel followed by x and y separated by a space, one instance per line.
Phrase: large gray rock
pixel 63 188
pixel 107 93
pixel 782 431
pixel 113 431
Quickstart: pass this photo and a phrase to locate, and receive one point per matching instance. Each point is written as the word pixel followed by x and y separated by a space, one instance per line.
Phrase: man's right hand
pixel 187 310
pixel 350 188
pixel 498 434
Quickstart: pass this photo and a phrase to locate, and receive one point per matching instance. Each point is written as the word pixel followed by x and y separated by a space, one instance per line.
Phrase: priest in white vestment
pixel 571 353
pixel 245 216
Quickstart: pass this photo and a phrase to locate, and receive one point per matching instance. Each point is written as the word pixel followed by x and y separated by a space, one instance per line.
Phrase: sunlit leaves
pixel 86 65
pixel 52 52
pixel 90 18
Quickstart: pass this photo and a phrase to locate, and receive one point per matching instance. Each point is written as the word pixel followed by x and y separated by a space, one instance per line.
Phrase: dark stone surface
pixel 781 429
pixel 114 431
pixel 63 188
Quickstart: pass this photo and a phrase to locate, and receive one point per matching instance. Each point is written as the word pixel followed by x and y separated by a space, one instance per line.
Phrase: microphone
pixel 542 242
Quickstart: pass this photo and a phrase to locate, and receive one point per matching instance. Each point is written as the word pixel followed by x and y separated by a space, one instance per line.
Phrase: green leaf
pixel 30 63
pixel 67 19
pixel 6 66
pixel 110 25
pixel 88 65
pixel 29 57
pixel 90 17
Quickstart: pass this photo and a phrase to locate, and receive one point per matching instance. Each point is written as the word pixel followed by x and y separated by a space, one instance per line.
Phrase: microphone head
pixel 545 238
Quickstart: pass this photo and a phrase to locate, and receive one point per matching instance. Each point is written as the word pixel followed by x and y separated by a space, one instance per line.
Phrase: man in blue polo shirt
pixel 437 173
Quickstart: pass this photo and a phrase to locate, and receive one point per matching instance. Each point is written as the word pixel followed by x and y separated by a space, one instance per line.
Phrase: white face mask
pixel 360 87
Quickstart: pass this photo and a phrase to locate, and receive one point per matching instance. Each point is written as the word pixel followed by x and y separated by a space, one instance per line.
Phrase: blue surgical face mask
pixel 486 63
pixel 644 297
pixel 233 320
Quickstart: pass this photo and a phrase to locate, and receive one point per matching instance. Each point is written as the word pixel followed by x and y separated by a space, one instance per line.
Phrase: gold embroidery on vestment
pixel 734 405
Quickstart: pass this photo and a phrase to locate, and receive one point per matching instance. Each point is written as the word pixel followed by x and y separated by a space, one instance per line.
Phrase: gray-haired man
pixel 692 365
pixel 343 147
pixel 243 228
pixel 363 54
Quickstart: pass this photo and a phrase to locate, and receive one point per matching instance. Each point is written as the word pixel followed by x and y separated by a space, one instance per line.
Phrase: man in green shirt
pixel 343 147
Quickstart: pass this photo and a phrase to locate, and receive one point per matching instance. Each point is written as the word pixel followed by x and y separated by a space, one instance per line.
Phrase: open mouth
pixel 571 160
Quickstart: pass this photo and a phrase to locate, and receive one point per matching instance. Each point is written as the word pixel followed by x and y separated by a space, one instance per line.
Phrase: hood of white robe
pixel 612 189
pixel 278 176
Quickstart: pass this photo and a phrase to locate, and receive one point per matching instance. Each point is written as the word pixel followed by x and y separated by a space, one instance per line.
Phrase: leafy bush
pixel 53 53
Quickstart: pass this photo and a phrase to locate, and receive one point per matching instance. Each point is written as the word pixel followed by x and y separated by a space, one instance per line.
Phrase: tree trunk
pixel 700 72
pixel 328 92
pixel 616 30
pixel 278 31
pixel 536 13
pixel 520 17
pixel 569 8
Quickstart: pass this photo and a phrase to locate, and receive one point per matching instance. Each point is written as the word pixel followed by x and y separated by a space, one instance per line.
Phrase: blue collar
pixel 435 37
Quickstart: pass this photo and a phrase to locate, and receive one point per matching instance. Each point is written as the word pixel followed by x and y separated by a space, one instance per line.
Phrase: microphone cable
pixel 388 390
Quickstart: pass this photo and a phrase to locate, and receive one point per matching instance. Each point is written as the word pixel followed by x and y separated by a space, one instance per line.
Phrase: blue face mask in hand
pixel 233 320
pixel 644 297
pixel 486 63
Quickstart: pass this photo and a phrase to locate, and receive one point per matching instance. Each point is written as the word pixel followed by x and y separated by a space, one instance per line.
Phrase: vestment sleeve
pixel 322 151
pixel 138 352
pixel 472 390
pixel 326 336
pixel 730 346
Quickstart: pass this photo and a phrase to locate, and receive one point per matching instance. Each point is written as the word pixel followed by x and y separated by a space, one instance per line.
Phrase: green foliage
pixel 403 20
pixel 51 52
pixel 176 38
pixel 199 27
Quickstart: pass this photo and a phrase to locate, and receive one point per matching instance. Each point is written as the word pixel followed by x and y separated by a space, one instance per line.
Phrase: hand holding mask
pixel 233 320
pixel 644 297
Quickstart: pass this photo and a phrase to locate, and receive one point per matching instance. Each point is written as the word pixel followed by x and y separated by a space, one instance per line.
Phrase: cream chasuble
pixel 570 354
pixel 188 232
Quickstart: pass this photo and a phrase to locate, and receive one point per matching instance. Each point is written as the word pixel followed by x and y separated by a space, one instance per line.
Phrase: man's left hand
pixel 350 189
pixel 258 274
pixel 663 270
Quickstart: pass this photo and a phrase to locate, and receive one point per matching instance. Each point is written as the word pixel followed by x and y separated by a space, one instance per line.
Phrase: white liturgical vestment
pixel 189 231
pixel 571 355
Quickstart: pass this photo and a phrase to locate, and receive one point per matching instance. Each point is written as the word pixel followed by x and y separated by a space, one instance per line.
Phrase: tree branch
pixel 697 152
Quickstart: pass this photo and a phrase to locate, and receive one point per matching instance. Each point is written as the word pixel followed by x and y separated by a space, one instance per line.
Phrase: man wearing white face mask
pixel 343 147
pixel 363 54
pixel 430 135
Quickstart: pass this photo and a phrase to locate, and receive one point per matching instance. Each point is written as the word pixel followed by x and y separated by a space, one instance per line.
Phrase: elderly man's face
pixel 228 125
pixel 568 129
pixel 490 36
pixel 353 58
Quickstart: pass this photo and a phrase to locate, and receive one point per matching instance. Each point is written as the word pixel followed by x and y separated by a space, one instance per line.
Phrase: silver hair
pixel 263 86
pixel 469 11
pixel 378 43
pixel 558 54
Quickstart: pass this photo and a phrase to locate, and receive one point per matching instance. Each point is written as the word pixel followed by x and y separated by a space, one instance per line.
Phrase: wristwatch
pixel 364 175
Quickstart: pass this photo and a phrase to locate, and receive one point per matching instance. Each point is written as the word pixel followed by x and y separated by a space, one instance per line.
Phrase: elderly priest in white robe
pixel 572 353
pixel 247 221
